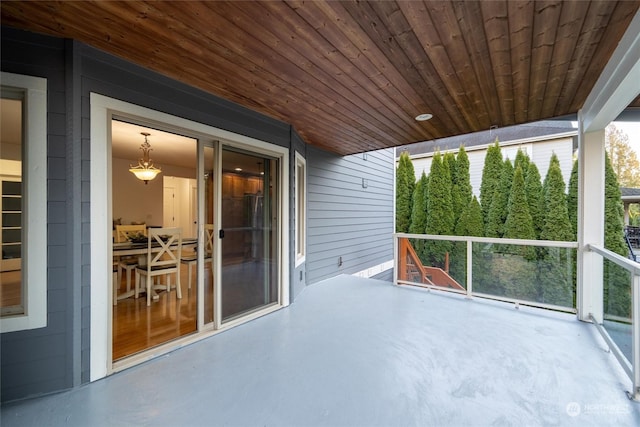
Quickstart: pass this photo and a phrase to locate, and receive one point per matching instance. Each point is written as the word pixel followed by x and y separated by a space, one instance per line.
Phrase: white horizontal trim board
pixel 375 270
pixel 523 242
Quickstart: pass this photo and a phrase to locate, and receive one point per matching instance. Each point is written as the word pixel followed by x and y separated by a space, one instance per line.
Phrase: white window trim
pixel 34 265
pixel 300 210
pixel 102 110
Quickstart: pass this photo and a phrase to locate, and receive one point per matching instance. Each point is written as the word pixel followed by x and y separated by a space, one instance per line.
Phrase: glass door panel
pixel 249 232
pixel 165 201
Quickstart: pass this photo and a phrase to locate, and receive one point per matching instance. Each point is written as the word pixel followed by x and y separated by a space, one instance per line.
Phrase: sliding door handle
pixel 221 234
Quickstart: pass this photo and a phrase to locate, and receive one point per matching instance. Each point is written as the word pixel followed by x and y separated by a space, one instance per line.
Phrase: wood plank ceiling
pixel 351 76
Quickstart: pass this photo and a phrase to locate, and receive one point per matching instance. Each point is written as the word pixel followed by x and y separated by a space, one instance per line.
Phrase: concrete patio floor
pixel 360 352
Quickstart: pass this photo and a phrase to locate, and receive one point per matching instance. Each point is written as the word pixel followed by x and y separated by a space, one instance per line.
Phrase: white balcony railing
pixel 629 360
pixel 524 272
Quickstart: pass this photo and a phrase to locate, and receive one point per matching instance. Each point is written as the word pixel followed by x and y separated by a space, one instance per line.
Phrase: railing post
pixel 469 268
pixel 635 327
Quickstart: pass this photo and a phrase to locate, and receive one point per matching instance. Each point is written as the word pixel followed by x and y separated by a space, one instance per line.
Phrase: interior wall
pixel 135 201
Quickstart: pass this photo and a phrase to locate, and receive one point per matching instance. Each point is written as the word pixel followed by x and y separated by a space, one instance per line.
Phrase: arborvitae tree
pixel 556 216
pixel 617 281
pixel 519 224
pixel 405 184
pixel 490 178
pixel 535 199
pixel 613 212
pixel 450 159
pixel 439 212
pixel 419 213
pixel 419 209
pixel 522 160
pixel 470 223
pixel 553 162
pixel 518 271
pixel 572 208
pixel 462 191
pixel 572 200
pixel 498 210
pixel 555 268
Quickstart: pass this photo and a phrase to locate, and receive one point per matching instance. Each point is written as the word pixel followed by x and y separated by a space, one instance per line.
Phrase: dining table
pixel 129 248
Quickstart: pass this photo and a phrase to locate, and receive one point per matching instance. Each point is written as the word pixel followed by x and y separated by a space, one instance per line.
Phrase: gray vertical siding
pixel 346 220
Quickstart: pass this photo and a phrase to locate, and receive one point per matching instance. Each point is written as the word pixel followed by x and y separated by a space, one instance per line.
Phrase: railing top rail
pixel 523 242
pixel 626 263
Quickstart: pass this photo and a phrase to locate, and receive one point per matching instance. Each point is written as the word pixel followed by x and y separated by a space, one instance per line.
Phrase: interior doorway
pixel 180 204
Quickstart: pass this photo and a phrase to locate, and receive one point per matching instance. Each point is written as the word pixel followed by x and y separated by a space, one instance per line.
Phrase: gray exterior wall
pixel 346 221
pixel 42 360
pixel 57 357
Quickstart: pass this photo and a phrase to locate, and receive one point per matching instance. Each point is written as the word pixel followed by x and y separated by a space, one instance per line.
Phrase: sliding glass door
pixel 249 232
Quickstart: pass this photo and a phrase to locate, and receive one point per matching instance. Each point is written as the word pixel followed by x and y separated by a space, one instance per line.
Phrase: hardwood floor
pixel 138 327
pixel 10 288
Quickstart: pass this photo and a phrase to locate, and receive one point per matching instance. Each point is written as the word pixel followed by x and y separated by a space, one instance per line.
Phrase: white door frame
pixel 103 109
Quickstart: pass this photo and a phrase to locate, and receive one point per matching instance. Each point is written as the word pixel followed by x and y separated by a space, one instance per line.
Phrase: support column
pixel 591 171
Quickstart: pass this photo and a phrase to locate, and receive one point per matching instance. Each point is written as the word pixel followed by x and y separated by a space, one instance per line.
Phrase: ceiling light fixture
pixel 423 117
pixel 145 170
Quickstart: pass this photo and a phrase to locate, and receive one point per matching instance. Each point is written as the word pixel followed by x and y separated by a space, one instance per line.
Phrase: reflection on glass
pixel 617 306
pixel 536 274
pixel 11 228
pixel 249 211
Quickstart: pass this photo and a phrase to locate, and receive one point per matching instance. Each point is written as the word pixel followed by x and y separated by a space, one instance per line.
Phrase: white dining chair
pixel 164 250
pixel 128 263
pixel 191 258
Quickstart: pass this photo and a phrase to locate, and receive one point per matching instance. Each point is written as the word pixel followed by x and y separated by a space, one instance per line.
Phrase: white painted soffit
pixel 619 83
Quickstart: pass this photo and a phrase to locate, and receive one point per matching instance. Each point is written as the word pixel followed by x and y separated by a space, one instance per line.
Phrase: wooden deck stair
pixel 410 269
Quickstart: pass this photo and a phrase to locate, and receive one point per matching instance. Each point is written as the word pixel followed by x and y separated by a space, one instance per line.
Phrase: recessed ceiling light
pixel 238 169
pixel 423 117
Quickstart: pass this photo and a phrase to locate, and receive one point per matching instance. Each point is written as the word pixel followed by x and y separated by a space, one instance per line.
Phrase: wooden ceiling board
pixel 351 76
pixel 496 27
pixel 570 22
pixel 460 110
pixel 578 84
pixel 545 24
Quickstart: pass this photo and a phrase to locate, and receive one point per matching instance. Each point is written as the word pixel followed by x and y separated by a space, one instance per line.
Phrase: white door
pixel 168 205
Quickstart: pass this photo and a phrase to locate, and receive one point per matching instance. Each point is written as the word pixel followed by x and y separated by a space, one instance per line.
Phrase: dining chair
pixel 127 263
pixel 164 250
pixel 191 258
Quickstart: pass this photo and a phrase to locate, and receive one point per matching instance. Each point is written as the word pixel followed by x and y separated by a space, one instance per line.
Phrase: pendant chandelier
pixel 144 170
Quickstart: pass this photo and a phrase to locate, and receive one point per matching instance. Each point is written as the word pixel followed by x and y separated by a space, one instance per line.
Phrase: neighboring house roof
pixel 532 131
pixel 630 195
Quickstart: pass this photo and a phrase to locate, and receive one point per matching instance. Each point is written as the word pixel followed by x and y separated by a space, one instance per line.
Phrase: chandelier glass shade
pixel 145 170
